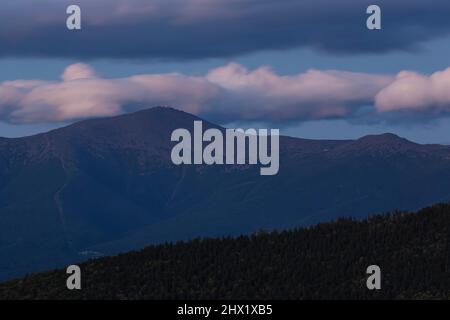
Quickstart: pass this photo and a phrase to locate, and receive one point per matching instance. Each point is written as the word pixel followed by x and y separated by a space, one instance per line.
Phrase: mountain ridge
pixel 378 138
pixel 108 185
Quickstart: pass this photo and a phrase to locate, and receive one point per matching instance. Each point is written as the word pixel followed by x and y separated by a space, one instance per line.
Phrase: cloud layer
pixel 191 29
pixel 227 93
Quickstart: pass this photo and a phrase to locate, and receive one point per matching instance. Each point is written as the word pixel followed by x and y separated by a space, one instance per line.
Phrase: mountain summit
pixel 108 185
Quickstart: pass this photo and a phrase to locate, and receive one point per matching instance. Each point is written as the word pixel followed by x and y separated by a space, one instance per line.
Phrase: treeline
pixel 327 261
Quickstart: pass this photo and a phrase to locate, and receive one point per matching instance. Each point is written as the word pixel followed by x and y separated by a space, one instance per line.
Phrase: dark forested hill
pixel 105 186
pixel 327 261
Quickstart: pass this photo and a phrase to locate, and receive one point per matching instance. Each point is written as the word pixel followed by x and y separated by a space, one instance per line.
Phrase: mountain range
pixel 103 186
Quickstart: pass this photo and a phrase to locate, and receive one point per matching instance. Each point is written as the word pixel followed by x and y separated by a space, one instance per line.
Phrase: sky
pixel 310 68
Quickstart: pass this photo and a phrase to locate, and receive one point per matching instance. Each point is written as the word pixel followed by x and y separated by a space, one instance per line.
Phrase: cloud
pixel 412 92
pixel 263 95
pixel 195 29
pixel 231 93
pixel 78 71
pixel 77 98
pixel 227 93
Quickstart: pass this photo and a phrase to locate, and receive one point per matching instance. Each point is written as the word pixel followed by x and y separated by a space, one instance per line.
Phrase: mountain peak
pixel 381 144
pixel 383 139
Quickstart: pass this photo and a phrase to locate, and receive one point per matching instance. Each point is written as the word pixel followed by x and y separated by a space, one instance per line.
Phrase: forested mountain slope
pixel 327 261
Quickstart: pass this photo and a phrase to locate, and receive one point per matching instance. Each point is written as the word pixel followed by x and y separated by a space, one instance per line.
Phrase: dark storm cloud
pixel 190 29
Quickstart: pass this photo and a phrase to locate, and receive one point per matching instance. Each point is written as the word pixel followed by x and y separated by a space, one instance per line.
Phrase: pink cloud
pixel 228 92
pixel 78 71
pixel 414 92
pixel 310 95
